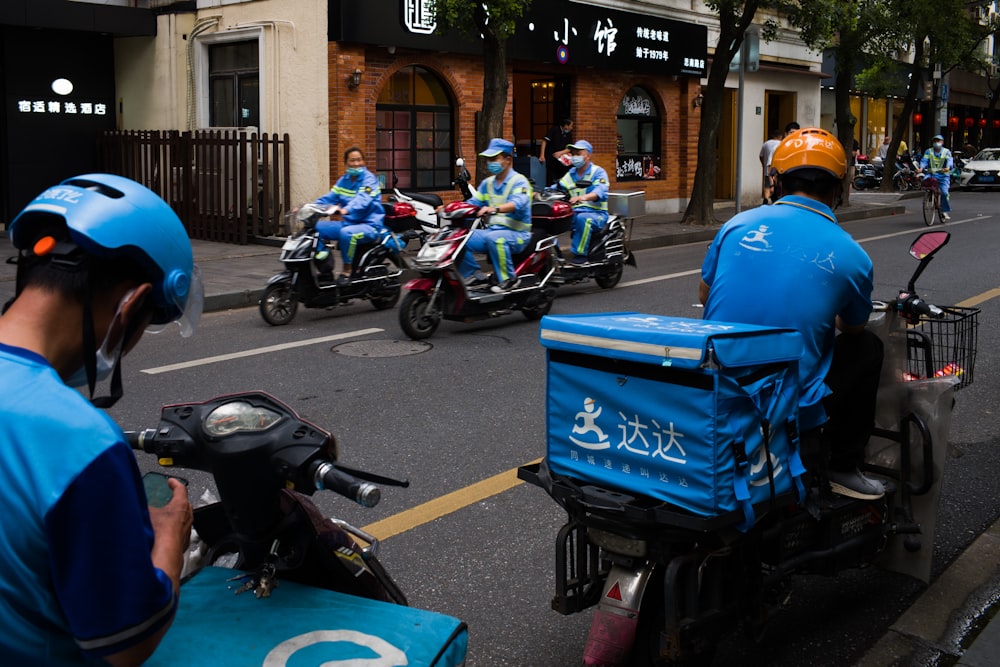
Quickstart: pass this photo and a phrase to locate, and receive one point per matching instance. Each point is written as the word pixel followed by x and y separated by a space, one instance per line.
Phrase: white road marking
pixel 260 350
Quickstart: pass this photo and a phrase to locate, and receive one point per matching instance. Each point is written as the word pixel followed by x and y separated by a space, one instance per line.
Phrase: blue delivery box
pixel 696 413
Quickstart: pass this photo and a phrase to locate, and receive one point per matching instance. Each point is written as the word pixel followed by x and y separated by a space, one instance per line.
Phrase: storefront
pixel 409 95
pixel 58 80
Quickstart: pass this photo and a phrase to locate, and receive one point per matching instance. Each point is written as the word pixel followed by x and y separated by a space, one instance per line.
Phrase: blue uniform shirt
pixel 362 197
pixel 76 578
pixel 791 265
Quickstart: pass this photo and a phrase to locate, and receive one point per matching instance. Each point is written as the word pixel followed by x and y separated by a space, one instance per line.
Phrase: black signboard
pixel 555 31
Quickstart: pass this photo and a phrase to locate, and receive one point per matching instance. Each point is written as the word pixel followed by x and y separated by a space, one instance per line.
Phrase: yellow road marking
pixel 446 504
pixel 974 301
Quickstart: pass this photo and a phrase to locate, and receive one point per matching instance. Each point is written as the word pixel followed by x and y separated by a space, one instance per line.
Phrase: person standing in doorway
pixel 554 147
pixel 766 151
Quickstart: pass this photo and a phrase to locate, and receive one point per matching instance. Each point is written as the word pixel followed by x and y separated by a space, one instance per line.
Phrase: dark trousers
pixel 853 378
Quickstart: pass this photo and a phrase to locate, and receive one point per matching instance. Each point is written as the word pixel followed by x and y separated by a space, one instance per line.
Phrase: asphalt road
pixel 469 407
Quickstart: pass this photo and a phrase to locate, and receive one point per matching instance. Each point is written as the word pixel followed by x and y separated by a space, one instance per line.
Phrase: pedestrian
pixel 90 574
pixel 750 276
pixel 766 151
pixel 553 149
pixel 505 196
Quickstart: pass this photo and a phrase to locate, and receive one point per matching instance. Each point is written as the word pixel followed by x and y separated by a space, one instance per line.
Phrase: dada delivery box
pixel 697 413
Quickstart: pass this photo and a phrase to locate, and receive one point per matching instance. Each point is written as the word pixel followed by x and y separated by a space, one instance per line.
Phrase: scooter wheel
pixel 610 278
pixel 416 318
pixel 541 306
pixel 386 297
pixel 860 182
pixel 278 304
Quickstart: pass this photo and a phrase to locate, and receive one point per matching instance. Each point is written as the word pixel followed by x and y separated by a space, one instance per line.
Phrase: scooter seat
pixel 428 198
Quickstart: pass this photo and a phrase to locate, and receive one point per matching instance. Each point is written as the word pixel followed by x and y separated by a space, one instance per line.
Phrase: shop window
pixel 414 135
pixel 638 137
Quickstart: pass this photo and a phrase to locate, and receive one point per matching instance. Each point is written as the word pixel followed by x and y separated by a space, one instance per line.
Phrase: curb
pixel 936 629
pixel 231 300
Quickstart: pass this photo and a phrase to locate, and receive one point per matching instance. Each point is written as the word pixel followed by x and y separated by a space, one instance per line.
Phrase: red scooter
pixel 442 293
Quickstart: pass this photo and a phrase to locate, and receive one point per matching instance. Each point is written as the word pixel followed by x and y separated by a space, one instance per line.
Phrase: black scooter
pixel 307 278
pixel 669 583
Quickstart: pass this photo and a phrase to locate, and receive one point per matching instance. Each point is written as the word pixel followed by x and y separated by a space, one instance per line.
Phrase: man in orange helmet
pixel 791 265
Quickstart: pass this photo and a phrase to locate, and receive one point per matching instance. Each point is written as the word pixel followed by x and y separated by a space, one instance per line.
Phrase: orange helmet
pixel 810 148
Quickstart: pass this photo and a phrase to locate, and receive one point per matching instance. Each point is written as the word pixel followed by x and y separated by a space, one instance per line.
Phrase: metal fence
pixel 226 185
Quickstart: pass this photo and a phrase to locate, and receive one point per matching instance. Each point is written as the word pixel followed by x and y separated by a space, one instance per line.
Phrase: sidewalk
pixel 951 623
pixel 235 275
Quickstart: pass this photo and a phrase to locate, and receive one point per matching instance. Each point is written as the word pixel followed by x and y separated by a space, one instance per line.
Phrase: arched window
pixel 638 137
pixel 414 136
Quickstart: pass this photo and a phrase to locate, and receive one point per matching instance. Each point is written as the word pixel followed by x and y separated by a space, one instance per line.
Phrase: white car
pixel 983 170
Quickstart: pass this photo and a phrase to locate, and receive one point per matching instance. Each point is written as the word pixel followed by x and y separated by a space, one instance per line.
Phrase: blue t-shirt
pixel 791 265
pixel 76 578
pixel 361 195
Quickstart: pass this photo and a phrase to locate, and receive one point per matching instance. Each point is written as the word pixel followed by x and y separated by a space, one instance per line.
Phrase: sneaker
pixel 578 260
pixel 945 216
pixel 343 280
pixel 477 278
pixel 505 286
pixel 855 484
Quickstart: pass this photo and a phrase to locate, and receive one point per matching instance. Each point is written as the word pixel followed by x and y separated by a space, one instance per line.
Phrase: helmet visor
pixel 190 310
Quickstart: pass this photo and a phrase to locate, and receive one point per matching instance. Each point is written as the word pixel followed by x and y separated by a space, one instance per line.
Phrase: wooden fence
pixel 226 185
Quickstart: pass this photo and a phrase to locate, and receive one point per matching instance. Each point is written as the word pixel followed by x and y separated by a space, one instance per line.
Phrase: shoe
pixel 578 260
pixel 854 484
pixel 343 280
pixel 477 278
pixel 505 286
pixel 945 216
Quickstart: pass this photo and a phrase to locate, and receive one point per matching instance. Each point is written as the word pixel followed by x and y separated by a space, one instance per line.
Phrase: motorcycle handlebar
pixel 327 476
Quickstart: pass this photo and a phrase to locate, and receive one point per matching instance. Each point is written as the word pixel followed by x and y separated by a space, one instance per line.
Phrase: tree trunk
pixel 732 26
pixel 489 124
pixel 909 103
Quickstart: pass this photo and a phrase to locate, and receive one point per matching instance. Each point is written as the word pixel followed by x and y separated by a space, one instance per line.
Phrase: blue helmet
pixel 114 217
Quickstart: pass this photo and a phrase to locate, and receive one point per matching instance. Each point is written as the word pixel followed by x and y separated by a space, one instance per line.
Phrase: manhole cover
pixel 381 348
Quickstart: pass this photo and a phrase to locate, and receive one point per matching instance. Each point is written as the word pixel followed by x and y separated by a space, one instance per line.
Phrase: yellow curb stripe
pixel 443 505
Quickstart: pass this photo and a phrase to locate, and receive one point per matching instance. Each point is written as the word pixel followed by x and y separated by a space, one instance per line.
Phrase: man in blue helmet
pixel 938 163
pixel 506 197
pixel 589 202
pixel 89 573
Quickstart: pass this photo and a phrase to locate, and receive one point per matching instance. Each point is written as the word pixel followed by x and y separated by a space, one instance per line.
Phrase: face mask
pixel 577 160
pixel 494 167
pixel 355 171
pixel 938 144
pixel 104 357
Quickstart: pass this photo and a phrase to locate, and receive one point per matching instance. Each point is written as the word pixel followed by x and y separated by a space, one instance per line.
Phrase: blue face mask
pixel 494 167
pixel 355 171
pixel 577 160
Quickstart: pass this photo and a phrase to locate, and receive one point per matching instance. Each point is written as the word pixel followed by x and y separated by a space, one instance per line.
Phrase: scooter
pixel 440 292
pixel 307 277
pixel 669 582
pixel 308 580
pixel 608 253
pixel 425 220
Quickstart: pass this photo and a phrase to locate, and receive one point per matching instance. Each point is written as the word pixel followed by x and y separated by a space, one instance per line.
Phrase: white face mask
pixel 938 144
pixel 105 357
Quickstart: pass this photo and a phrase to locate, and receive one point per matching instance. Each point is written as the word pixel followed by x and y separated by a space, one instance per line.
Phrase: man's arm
pixel 703 290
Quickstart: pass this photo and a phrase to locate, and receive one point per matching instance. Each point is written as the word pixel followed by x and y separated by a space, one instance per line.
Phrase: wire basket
pixel 930 183
pixel 945 346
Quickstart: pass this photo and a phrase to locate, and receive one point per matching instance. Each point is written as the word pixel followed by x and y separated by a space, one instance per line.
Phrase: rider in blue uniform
pixel 590 202
pixel 791 265
pixel 506 198
pixel 357 197
pixel 938 162
pixel 89 575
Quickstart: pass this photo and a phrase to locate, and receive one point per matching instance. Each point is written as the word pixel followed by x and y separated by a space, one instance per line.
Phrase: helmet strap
pixel 116 390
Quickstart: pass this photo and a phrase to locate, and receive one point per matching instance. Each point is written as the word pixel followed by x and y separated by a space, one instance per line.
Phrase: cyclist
pixel 938 163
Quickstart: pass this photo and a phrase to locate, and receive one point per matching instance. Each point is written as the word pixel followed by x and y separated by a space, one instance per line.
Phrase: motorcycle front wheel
pixel 279 304
pixel 416 318
pixel 541 307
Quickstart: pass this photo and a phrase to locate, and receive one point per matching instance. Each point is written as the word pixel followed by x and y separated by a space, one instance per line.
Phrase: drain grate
pixel 381 348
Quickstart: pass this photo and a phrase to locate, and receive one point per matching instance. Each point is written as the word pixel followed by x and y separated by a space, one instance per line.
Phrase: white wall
pixel 153 79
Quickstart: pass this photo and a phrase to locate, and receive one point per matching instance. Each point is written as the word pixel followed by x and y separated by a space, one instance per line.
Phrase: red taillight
pixel 402 209
pixel 560 209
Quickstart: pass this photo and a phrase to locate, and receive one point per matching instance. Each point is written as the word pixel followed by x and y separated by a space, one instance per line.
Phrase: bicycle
pixel 932 200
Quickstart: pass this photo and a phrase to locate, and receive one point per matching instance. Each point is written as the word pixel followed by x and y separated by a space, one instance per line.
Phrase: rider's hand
pixel 172 531
pixel 487 210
